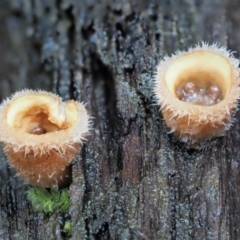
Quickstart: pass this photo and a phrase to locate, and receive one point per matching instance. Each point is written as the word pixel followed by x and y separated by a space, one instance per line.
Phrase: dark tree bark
pixel 131 180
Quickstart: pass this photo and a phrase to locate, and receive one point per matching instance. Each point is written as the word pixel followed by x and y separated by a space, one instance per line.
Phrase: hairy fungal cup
pixel 42 135
pixel 198 92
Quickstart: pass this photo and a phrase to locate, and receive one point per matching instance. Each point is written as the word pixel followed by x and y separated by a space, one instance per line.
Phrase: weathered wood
pixel 132 180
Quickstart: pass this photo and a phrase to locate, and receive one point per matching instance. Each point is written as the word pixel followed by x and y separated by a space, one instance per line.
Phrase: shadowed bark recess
pixel 131 180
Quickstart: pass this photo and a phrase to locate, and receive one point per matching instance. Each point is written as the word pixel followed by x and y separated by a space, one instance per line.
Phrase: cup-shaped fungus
pixel 198 92
pixel 41 135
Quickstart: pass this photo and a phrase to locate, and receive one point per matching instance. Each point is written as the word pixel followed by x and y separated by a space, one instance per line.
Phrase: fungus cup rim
pixel 198 112
pixel 41 144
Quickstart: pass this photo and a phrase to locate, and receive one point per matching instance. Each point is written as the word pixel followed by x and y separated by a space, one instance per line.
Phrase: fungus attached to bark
pixel 41 135
pixel 198 92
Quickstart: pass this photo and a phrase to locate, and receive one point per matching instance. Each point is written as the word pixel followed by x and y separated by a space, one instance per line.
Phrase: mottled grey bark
pixel 132 180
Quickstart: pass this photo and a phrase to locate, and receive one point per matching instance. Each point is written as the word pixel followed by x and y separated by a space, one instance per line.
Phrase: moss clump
pixel 67 229
pixel 48 201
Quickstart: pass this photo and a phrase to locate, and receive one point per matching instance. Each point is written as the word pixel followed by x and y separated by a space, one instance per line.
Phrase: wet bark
pixel 131 180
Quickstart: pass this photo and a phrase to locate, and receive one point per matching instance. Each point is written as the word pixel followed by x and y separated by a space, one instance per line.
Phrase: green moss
pixel 64 200
pixel 48 201
pixel 67 228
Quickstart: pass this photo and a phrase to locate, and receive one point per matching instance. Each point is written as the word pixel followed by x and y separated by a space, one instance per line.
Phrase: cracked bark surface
pixel 132 180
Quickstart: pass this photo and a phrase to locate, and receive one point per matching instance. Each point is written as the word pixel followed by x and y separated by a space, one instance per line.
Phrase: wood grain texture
pixel 132 180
